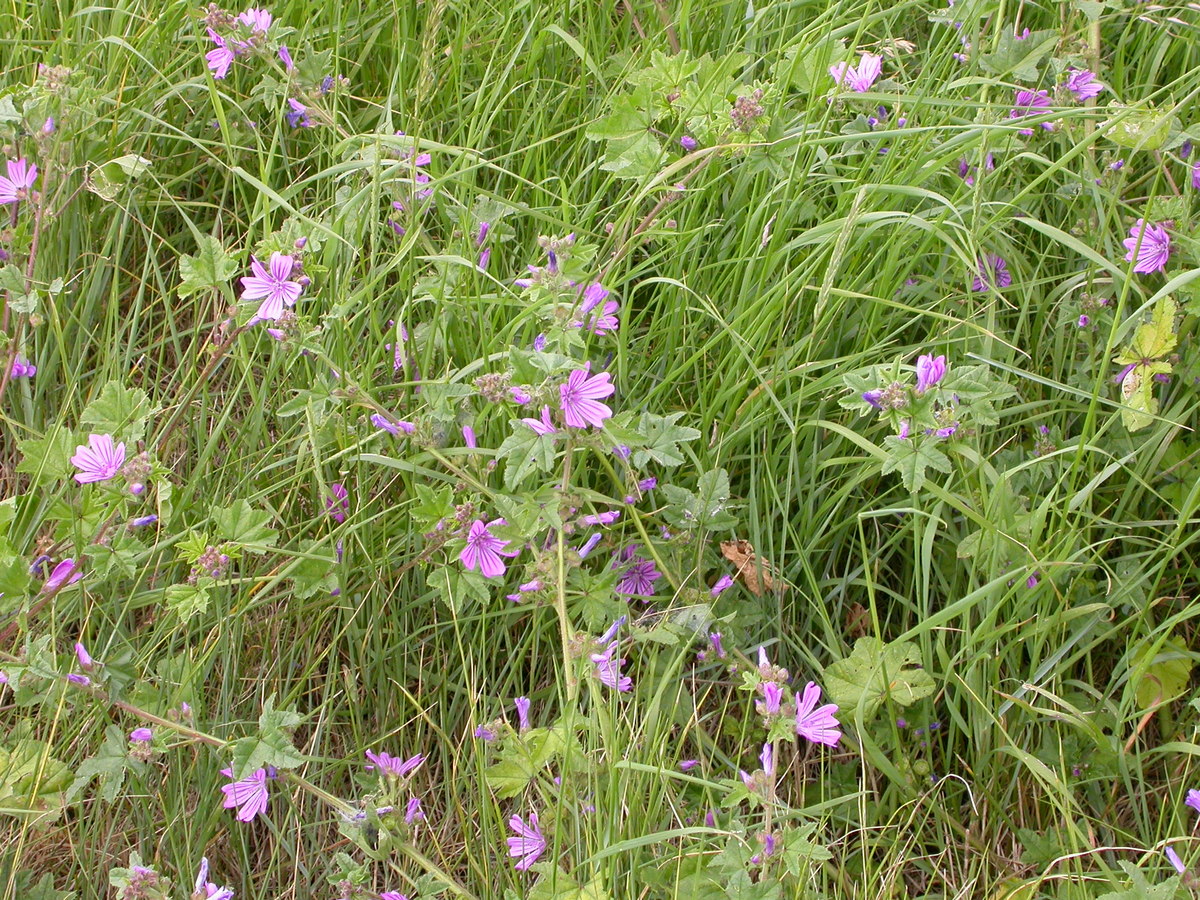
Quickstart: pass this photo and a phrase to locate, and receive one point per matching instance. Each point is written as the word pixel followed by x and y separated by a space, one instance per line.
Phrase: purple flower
pixel 1083 84
pixel 393 766
pixel 141 735
pixel 297 116
pixel 772 695
pixel 63 575
pixel 483 550
pixel 206 889
pixel 715 639
pixel 380 421
pixel 1174 860
pixel 338 502
pixel 767 758
pixel 604 518
pixel 413 811
pixel 688 143
pixel 529 843
pixel 484 256
pixel 23 368
pixel 816 724
pixel 1084 320
pixel 905 430
pixel 688 764
pixel 930 370
pixel 85 658
pixel 81 680
pixel 858 78
pixel 1196 176
pixel 1030 103
pixel 589 545
pixel 1151 244
pixel 608 669
pixel 1032 581
pixel 99 460
pixel 992 273
pixel 1193 799
pixel 580 398
pixel 722 584
pixel 273 287
pixel 520 395
pixel 638 580
pixel 286 58
pixel 485 734
pixel 469 437
pixel 392 895
pixel 522 704
pixel 541 426
pixel 220 58
pixel 256 19
pixel 21 177
pixel 612 630
pixel 872 398
pixel 248 796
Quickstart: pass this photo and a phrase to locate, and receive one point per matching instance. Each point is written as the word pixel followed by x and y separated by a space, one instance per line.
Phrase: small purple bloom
pixel 715 639
pixel 542 426
pixel 413 812
pixel 221 58
pixel 469 437
pixel 589 545
pixel 63 575
pixel 258 20
pixel 100 460
pixel 992 273
pixel 1193 799
pixel 248 796
pixel 688 764
pixel 872 397
pixel 638 580
pixel 1083 84
pixel 81 680
pixel 814 723
pixel 767 758
pixel 580 398
pixel 1151 244
pixel 297 116
pixel 522 704
pixel 206 889
pixel 1084 320
pixel 604 518
pixel 1174 860
pixel 393 766
pixel 688 143
pixel 1196 176
pixel 612 630
pixel 141 736
pixel 23 368
pixel 622 451
pixel 608 669
pixel 380 421
pixel 286 58
pixel 1032 581
pixel 858 78
pixel 338 502
pixel 722 584
pixel 528 845
pixel 483 550
pixel 772 695
pixel 930 370
pixel 1030 103
pixel 485 734
pixel 272 286
pixel 85 658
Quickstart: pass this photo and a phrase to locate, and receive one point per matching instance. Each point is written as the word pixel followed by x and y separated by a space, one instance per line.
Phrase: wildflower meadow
pixel 578 450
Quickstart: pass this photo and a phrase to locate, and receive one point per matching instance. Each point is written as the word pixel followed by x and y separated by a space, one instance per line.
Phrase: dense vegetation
pixel 460 449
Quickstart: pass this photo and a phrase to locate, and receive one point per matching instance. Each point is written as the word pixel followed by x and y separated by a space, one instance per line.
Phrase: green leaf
pixel 875 671
pixel 14 581
pixel 1137 390
pixel 186 600
pixel 705 509
pixel 242 524
pixel 1156 338
pixel 271 747
pixel 1162 676
pixel 110 765
pixel 120 411
pixel 1018 57
pixel 312 570
pixel 1137 129
pixel 1141 889
pixel 661 439
pixel 47 459
pixel 525 452
pixel 32 781
pixel 12 281
pixel 911 458
pixel 211 267
pixel 1091 9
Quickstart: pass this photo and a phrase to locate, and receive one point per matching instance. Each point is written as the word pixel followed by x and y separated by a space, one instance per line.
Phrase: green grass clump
pixel 990 569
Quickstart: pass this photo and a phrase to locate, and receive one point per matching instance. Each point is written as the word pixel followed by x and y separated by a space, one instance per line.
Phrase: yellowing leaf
pixel 1156 338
